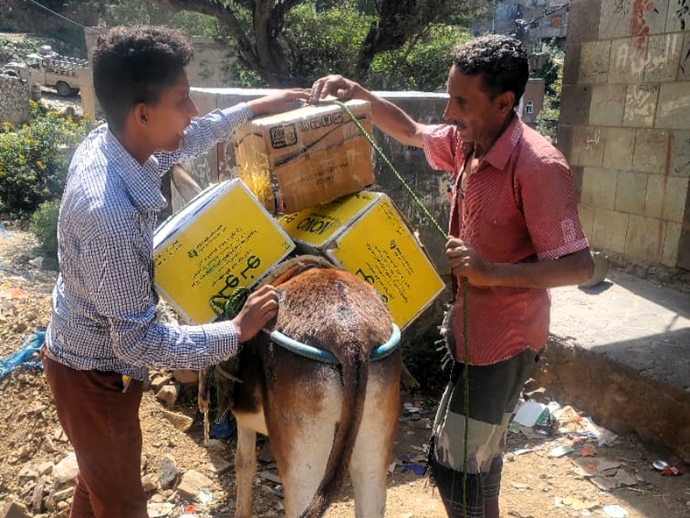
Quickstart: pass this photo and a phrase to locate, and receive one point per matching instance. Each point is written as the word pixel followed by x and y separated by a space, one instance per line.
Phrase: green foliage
pixel 552 73
pixel 547 121
pixel 4 42
pixel 320 43
pixel 316 37
pixel 421 64
pixel 44 223
pixel 327 40
pixel 248 78
pixel 34 159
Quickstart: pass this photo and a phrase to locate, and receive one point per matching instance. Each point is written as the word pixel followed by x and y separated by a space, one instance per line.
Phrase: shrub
pixel 34 159
pixel 44 224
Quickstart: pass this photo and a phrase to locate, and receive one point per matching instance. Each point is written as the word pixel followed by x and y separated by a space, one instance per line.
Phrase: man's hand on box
pixel 337 86
pixel 282 101
pixel 261 307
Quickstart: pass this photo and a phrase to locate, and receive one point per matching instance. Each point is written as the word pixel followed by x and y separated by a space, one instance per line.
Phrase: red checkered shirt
pixel 519 207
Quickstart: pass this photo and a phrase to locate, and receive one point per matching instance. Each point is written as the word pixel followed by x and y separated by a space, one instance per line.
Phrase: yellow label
pixel 380 249
pixel 233 243
pixel 317 225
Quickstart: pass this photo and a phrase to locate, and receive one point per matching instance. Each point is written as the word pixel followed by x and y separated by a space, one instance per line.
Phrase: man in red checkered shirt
pixel 515 232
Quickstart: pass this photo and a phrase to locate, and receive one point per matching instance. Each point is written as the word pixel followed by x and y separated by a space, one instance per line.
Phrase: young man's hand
pixel 464 261
pixel 260 308
pixel 337 86
pixel 282 101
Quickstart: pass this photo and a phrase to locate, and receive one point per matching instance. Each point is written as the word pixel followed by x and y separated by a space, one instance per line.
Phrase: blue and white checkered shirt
pixel 104 304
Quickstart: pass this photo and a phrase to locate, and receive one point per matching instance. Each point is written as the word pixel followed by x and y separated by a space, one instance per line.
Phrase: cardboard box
pixel 364 234
pixel 305 157
pixel 223 239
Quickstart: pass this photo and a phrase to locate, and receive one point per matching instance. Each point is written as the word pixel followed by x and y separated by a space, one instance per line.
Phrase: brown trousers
pixel 102 423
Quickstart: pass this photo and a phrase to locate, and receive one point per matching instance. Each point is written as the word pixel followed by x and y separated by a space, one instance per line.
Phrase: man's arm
pixel 572 269
pixel 548 202
pixel 387 116
pixel 117 282
pixel 204 132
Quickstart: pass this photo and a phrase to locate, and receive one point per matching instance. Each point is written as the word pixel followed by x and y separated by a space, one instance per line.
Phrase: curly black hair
pixel 500 60
pixel 136 65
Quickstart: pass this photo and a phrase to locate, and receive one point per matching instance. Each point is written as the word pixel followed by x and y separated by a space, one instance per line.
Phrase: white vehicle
pixel 47 68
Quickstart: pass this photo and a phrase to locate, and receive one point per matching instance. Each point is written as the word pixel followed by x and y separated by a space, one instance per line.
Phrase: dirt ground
pixel 534 484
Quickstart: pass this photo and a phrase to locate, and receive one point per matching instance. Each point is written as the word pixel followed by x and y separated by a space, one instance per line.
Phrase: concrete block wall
pixel 625 125
pixel 213 63
pixel 15 94
pixel 431 186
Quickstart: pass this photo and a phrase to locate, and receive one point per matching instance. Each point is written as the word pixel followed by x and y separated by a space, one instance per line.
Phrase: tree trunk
pixel 267 25
pixel 399 20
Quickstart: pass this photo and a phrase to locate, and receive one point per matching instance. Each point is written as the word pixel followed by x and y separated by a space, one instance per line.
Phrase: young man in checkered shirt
pixel 102 327
pixel 515 232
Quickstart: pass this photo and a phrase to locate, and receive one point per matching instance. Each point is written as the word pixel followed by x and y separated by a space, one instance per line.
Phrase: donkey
pixel 321 418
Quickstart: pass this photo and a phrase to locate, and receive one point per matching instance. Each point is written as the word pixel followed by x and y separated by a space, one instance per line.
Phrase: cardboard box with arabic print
pixel 305 157
pixel 222 240
pixel 366 235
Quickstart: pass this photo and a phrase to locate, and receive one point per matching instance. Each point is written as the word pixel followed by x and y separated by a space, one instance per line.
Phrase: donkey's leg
pixel 245 467
pixel 302 425
pixel 374 447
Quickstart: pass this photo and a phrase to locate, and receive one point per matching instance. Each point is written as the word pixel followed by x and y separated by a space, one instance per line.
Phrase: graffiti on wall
pixel 680 104
pixel 684 62
pixel 632 57
pixel 682 13
pixel 638 25
pixel 682 158
pixel 640 104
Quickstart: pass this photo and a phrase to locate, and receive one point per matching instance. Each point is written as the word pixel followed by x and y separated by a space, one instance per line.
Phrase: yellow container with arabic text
pixel 364 234
pixel 222 240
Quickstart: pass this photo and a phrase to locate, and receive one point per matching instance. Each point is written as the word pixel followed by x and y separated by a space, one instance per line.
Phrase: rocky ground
pixel 601 476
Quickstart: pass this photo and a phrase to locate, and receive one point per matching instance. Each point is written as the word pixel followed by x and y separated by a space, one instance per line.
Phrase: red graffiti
pixel 638 25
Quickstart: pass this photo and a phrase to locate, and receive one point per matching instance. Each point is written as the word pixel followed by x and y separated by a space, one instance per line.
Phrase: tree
pixel 258 28
pixel 552 73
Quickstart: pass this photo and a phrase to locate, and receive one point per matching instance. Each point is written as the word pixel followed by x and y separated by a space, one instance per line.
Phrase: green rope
pixel 463 284
pixel 373 144
pixel 227 307
pixel 467 396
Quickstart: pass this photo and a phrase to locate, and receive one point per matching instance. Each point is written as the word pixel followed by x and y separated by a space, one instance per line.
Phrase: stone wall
pixel 625 125
pixel 213 63
pixel 15 95
pixel 430 186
